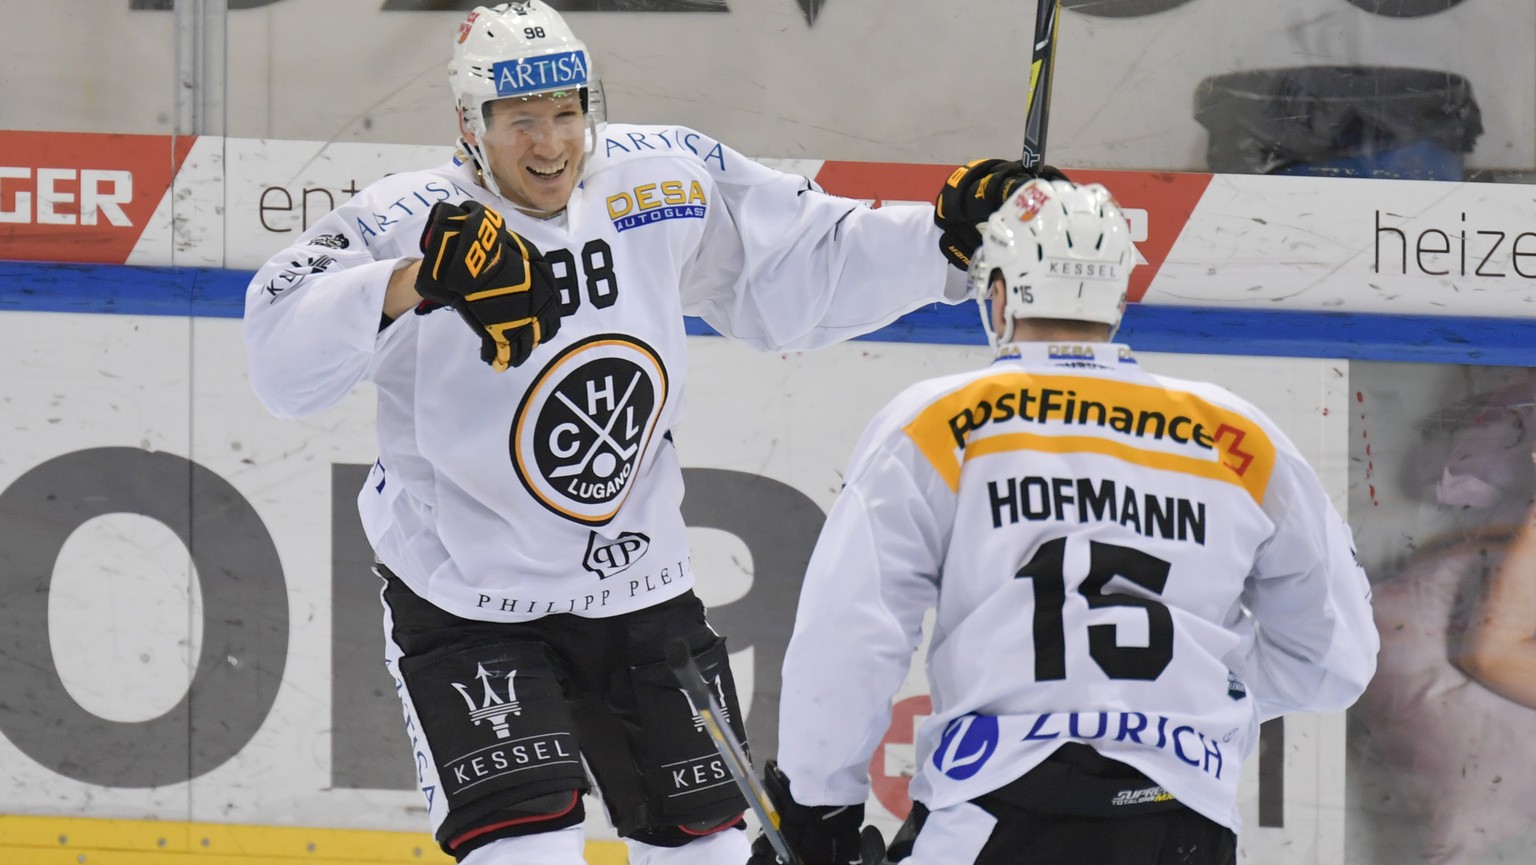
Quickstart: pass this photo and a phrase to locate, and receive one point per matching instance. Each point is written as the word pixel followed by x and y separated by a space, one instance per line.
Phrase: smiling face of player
pixel 535 146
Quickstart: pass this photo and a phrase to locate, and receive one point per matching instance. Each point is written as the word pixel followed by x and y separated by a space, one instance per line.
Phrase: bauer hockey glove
pixel 973 192
pixel 496 280
pixel 815 834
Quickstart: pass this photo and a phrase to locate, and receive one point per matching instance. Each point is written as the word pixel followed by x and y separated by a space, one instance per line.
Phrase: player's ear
pixel 997 291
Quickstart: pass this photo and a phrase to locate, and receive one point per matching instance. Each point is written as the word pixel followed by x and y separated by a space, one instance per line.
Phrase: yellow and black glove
pixel 496 280
pixel 970 196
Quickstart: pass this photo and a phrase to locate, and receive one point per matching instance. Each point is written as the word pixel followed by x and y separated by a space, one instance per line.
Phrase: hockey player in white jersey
pixel 1130 572
pixel 519 311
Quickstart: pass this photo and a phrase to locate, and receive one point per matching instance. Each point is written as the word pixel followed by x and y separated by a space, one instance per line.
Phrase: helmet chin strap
pixel 998 340
pixel 1009 325
pixel 482 165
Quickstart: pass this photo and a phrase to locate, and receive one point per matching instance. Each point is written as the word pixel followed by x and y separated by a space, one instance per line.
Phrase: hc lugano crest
pixel 585 424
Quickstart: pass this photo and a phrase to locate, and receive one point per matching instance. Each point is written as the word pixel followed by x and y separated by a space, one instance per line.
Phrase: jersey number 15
pixel 1105 562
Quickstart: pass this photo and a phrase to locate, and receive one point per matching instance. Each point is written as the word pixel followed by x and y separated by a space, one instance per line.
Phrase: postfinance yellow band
pixel 89 841
pixel 1138 423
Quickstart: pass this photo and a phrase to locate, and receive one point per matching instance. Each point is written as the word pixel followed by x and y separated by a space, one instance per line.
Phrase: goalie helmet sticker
pixel 585 423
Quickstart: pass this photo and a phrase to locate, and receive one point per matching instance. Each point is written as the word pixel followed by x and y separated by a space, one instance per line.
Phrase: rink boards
pixel 1230 241
pixel 306 731
pixel 192 638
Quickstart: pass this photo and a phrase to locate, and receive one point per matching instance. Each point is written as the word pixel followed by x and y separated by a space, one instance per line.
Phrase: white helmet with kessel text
pixel 519 49
pixel 1063 251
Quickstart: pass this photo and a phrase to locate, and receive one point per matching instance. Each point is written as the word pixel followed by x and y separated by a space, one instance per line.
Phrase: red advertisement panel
pixel 81 196
pixel 1158 204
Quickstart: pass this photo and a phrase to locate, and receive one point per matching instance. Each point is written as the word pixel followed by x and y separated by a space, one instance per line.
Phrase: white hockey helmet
pixel 522 48
pixel 1063 251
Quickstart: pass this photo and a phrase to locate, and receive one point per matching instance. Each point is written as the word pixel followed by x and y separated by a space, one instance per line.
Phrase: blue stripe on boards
pixel 216 293
pixel 1268 333
pixel 113 288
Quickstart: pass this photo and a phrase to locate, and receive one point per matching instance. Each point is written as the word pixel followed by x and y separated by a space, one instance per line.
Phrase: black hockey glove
pixel 496 280
pixel 816 834
pixel 970 196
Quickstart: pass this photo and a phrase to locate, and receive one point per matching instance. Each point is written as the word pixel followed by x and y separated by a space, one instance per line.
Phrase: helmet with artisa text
pixel 521 49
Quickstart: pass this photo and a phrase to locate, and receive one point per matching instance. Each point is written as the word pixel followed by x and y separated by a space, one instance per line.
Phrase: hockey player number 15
pixel 1106 561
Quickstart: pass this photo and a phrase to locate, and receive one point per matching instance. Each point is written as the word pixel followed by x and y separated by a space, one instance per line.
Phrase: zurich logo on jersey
pixel 968 742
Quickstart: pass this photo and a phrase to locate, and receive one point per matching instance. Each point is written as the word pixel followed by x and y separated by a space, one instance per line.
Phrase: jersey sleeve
pixel 872 576
pixel 312 318
pixel 785 266
pixel 1314 641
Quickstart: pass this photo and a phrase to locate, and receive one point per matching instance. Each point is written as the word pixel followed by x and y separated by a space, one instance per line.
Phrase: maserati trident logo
pixel 491 707
pixel 698 718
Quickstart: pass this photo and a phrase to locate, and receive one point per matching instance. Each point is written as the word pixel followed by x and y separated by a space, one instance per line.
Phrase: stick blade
pixel 871 846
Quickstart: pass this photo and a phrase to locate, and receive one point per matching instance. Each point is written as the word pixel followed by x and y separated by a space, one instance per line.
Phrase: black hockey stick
pixel 1038 114
pixel 872 845
pixel 704 702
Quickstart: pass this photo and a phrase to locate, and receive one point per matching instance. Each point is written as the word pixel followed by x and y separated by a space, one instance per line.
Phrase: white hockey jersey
pixel 1136 562
pixel 554 487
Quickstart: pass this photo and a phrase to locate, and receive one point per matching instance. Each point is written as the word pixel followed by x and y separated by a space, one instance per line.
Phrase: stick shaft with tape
pixel 1042 65
pixel 704 701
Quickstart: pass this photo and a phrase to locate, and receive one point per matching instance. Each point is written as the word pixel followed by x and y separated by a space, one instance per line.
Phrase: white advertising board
pixel 1238 241
pixel 179 560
